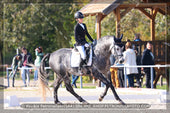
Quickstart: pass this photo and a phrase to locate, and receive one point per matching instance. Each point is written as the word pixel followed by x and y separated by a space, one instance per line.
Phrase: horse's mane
pixel 104 42
pixel 104 39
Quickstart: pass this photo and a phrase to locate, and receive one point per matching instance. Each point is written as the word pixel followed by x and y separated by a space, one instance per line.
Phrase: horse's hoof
pixel 121 102
pixel 100 99
pixel 58 103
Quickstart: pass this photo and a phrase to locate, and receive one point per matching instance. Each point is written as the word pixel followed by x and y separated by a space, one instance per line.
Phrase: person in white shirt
pixel 130 60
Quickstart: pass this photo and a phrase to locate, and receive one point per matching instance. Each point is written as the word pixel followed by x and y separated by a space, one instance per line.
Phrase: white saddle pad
pixel 76 59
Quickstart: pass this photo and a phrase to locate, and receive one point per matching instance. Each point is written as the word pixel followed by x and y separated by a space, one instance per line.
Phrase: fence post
pixel 125 77
pixel 7 76
pixel 81 82
pixel 169 79
pixel 151 77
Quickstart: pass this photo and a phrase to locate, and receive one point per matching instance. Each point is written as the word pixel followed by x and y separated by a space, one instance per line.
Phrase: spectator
pixel 148 59
pixel 15 63
pixel 137 37
pixel 130 60
pixel 39 55
pixel 138 76
pixel 26 59
pixel 74 79
pixel 138 62
pixel 121 76
pixel 114 74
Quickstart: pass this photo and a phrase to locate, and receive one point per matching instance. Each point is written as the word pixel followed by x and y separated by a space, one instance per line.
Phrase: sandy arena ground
pixel 14 97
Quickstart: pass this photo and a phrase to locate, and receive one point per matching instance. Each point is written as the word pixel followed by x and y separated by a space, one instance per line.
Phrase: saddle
pixel 76 58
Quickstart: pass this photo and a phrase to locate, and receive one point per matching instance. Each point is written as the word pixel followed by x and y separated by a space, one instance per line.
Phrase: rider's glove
pixel 86 45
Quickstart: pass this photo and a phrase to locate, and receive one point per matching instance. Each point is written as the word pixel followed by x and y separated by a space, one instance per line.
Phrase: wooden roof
pixel 106 6
pixel 100 6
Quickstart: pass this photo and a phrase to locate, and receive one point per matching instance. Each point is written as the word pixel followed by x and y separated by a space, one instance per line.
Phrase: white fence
pixel 142 66
pixel 9 68
pixel 125 76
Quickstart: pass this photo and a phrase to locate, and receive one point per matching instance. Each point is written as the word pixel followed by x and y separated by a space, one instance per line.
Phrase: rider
pixel 80 32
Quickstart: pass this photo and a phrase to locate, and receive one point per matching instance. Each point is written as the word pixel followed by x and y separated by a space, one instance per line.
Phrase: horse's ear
pixel 122 48
pixel 114 38
pixel 121 37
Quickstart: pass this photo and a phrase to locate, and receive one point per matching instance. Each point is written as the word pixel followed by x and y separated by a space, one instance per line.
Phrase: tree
pixel 49 25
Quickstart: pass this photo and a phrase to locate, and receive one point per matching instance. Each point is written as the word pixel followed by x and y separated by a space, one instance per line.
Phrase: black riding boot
pixel 81 64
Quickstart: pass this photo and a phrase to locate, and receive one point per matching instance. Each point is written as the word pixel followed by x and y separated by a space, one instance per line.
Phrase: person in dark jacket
pixel 148 59
pixel 26 59
pixel 15 62
pixel 80 32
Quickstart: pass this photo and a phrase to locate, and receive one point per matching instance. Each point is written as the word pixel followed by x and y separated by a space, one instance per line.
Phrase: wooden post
pixel 152 26
pixel 98 25
pixel 151 16
pixel 153 13
pixel 117 22
pixel 99 18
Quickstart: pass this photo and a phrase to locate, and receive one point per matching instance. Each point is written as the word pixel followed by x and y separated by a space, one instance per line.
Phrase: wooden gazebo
pixel 150 8
pixel 101 8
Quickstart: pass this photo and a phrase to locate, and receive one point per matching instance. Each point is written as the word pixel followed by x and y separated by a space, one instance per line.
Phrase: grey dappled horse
pixel 59 61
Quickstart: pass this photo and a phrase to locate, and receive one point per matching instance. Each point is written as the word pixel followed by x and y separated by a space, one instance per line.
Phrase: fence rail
pixel 123 66
pixel 142 66
pixel 9 68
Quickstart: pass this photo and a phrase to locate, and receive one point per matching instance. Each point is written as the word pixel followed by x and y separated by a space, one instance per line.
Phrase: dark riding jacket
pixel 80 34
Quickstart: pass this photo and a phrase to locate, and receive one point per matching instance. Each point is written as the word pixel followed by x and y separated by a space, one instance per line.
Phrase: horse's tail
pixel 43 83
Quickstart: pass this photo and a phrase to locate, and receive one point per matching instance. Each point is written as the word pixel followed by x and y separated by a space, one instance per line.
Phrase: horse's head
pixel 117 47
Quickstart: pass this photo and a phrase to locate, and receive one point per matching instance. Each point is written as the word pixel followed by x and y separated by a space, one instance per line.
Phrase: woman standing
pixel 130 60
pixel 39 55
pixel 15 64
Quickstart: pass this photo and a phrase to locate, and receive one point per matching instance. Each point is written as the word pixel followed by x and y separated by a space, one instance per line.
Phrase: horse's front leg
pixel 107 83
pixel 106 89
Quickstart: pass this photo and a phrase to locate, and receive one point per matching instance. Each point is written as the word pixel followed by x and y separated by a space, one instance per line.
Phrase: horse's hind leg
pixel 56 85
pixel 69 88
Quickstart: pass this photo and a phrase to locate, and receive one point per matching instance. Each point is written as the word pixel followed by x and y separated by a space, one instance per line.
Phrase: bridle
pixel 116 54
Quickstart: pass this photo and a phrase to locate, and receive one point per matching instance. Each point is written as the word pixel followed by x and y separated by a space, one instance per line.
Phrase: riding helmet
pixel 78 15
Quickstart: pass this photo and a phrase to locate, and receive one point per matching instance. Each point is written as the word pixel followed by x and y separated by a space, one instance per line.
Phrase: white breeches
pixel 82 52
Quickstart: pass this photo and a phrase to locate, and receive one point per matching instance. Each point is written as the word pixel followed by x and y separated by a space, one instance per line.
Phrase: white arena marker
pixel 13 101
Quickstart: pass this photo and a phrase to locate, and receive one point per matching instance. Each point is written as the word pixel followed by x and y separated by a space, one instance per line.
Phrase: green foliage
pixel 132 23
pixel 50 24
pixel 33 25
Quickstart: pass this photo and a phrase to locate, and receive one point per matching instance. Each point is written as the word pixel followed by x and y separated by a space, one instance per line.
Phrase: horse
pixel 59 61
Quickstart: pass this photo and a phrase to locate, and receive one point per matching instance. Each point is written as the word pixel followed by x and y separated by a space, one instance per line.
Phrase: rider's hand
pixel 86 45
pixel 94 42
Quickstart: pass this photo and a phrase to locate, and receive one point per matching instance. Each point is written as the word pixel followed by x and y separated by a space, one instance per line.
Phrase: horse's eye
pixel 117 49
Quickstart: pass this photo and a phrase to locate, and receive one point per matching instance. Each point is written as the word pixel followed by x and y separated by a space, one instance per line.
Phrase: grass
pixel 161 87
pixel 164 87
